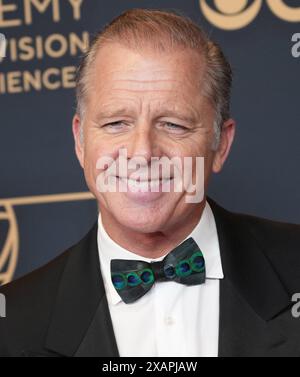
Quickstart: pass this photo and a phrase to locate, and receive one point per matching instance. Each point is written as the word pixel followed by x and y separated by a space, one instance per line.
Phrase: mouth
pixel 147 184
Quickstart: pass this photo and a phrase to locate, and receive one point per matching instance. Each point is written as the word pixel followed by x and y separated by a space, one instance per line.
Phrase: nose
pixel 142 144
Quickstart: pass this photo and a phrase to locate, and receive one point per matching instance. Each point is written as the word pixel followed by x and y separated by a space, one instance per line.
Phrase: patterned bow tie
pixel 133 278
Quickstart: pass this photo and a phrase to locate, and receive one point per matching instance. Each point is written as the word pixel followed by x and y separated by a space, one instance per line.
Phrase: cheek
pixel 100 155
pixel 205 163
pixel 189 150
pixel 194 149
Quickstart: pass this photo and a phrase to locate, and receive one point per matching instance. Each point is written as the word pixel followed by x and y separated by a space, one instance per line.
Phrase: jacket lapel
pixel 251 294
pixel 101 327
pixel 242 332
pixel 80 324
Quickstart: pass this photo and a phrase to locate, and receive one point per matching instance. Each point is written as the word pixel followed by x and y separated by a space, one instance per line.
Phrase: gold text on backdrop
pixel 18 13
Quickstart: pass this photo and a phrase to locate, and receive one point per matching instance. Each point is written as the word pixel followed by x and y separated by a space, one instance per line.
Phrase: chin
pixel 139 221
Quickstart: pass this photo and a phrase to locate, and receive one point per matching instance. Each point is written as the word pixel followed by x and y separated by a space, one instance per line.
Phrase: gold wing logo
pixel 8 220
pixel 10 250
pixel 236 14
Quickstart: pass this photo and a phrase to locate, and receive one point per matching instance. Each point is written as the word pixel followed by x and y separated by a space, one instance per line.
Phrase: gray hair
pixel 163 31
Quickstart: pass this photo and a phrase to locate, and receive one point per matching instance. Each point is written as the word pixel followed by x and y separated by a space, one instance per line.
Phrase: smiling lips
pixel 145 185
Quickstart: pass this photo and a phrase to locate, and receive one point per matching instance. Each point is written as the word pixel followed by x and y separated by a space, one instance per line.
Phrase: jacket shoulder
pixel 29 304
pixel 285 236
pixel 280 242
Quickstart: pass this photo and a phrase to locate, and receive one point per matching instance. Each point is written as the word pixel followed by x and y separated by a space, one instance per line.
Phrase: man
pixel 152 84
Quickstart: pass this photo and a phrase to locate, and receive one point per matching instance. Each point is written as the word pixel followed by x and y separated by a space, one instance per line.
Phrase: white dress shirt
pixel 171 320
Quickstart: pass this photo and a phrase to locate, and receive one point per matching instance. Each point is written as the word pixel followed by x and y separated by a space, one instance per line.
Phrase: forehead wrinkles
pixel 146 96
pixel 142 72
pixel 152 107
pixel 123 70
pixel 168 91
pixel 140 80
pixel 143 90
pixel 162 86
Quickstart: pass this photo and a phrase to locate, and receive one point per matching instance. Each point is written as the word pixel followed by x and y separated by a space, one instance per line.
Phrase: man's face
pixel 151 105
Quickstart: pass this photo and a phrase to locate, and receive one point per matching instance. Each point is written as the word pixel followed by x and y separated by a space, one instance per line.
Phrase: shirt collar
pixel 204 234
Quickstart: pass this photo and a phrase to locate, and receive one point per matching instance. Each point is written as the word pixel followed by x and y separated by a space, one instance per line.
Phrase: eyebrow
pixel 111 113
pixel 189 116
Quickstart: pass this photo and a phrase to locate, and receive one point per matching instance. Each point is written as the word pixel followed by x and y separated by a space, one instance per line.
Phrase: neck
pixel 151 245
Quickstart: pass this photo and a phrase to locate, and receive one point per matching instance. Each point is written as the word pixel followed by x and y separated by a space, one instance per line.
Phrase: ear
pixel 226 140
pixel 79 147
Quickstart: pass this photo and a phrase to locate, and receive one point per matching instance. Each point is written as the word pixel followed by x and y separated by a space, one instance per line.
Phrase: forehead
pixel 119 68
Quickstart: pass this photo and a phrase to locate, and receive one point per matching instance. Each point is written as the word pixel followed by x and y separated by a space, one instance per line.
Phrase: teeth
pixel 144 185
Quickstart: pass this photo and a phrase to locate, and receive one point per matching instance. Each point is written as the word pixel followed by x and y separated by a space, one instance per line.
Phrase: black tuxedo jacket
pixel 61 308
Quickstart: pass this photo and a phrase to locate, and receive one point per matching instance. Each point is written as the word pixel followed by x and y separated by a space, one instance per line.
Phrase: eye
pixel 175 127
pixel 114 126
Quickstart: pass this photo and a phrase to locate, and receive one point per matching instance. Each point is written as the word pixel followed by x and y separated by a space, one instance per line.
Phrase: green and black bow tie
pixel 133 278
